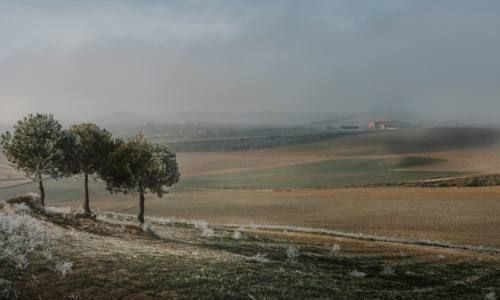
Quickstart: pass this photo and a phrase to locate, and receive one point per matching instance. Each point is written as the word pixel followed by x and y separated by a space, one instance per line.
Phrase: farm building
pixel 383 125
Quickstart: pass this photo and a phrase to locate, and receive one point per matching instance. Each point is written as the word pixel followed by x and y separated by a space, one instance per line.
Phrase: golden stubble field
pixel 462 216
pixel 457 215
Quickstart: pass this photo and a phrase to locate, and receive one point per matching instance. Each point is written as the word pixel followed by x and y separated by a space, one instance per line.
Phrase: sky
pixel 85 59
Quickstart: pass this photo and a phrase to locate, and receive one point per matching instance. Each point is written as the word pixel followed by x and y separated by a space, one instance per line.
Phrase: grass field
pixel 464 216
pixel 324 174
pixel 113 259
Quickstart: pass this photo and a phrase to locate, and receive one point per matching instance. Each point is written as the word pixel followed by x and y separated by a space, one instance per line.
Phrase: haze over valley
pixel 234 149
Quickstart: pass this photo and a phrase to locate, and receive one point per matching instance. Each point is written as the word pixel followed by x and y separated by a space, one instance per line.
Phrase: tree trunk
pixel 42 191
pixel 141 209
pixel 86 204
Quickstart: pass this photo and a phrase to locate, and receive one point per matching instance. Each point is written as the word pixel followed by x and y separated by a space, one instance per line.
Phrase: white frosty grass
pixel 388 271
pixel 491 296
pixel 208 233
pixel 357 274
pixel 260 257
pixel 205 230
pixel 21 208
pixel 6 290
pixel 335 249
pixel 150 229
pixel 20 234
pixel 292 254
pixel 338 234
pixel 64 211
pixel 367 237
pixel 64 268
pixel 236 235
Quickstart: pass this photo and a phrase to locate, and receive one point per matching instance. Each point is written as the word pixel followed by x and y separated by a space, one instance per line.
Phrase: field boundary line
pixel 335 233
pixel 369 237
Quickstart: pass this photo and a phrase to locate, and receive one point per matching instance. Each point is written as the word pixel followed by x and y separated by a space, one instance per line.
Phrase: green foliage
pixel 34 146
pixel 138 166
pixel 86 148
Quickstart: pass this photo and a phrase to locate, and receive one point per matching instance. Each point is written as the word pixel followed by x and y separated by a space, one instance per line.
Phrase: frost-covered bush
pixel 292 254
pixel 21 208
pixel 205 230
pixel 32 200
pixel 335 249
pixel 490 296
pixel 64 268
pixel 236 235
pixel 208 232
pixel 6 289
pixel 200 224
pixel 357 274
pixel 388 271
pixel 149 229
pixel 54 211
pixel 261 258
pixel 20 234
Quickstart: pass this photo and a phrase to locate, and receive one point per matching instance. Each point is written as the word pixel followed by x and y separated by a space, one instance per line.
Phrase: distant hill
pixel 250 118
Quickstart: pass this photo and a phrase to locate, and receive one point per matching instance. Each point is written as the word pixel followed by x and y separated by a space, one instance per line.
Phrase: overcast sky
pixel 83 59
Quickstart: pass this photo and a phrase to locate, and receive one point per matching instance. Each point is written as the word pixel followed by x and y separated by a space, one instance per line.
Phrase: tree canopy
pixel 86 150
pixel 140 167
pixel 35 147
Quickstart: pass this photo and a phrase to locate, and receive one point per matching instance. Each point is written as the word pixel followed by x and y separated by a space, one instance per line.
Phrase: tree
pixel 140 167
pixel 86 150
pixel 34 148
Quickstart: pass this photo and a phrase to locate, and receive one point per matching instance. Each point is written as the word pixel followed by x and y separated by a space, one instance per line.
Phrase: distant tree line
pixel 41 148
pixel 254 143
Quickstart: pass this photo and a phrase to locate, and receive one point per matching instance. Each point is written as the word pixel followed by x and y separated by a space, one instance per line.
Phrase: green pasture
pixel 325 174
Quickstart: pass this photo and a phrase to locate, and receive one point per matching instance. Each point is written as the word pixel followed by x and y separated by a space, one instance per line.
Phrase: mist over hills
pixel 235 118
pixel 260 118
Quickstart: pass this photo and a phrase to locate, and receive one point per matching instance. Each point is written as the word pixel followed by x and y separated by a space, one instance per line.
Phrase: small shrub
pixel 64 268
pixel 357 274
pixel 335 249
pixel 149 229
pixel 20 234
pixel 388 271
pixel 292 254
pixel 490 296
pixel 261 258
pixel 208 232
pixel 31 200
pixel 21 208
pixel 6 290
pixel 236 235
pixel 205 230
